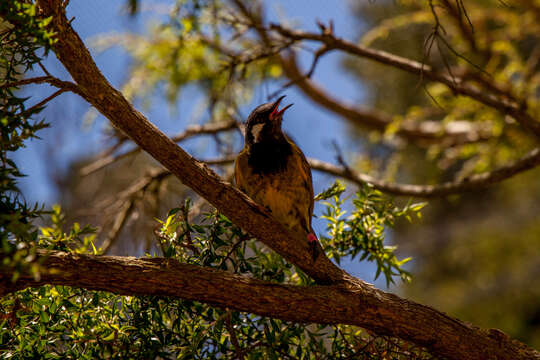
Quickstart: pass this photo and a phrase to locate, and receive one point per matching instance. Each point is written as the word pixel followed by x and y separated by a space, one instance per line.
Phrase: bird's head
pixel 264 123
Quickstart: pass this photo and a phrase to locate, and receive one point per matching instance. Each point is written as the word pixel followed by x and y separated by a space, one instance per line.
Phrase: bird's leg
pixel 313 245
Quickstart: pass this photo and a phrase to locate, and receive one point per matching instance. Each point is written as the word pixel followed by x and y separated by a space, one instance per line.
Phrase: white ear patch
pixel 255 131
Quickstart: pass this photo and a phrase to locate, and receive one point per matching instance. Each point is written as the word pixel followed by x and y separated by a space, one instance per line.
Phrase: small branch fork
pixel 63 86
pixel 343 298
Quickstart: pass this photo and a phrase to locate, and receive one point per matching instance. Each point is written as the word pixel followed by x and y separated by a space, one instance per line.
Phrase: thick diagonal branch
pixel 76 58
pixel 351 303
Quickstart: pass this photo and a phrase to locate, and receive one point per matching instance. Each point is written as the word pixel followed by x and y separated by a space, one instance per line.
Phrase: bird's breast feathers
pixel 286 190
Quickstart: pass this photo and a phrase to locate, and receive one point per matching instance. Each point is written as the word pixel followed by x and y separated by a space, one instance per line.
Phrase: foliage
pixel 24 42
pixel 217 242
pixel 78 239
pixel 63 322
pixel 178 53
pixel 363 232
pixel 57 322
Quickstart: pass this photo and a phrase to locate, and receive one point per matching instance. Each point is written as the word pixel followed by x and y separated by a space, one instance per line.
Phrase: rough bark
pixel 352 302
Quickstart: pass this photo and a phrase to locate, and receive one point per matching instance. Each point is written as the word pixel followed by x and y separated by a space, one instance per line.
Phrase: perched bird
pixel 274 172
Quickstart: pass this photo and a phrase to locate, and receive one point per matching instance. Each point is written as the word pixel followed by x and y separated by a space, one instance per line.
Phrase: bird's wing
pixel 306 174
pixel 240 167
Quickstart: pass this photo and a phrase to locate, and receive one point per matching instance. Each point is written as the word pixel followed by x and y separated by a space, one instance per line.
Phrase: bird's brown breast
pixel 286 191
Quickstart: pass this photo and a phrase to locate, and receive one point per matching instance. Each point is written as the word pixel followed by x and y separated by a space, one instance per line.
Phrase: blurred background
pixel 475 256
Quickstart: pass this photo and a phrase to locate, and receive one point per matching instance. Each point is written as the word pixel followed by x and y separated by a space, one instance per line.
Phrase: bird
pixel 272 170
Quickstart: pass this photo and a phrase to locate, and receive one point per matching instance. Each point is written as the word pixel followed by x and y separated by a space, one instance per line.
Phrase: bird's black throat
pixel 269 156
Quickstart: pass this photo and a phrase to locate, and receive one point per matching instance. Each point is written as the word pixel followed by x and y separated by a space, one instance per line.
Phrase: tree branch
pixel 19 83
pixel 428 132
pixel 470 183
pixel 353 303
pixel 456 84
pixel 473 182
pixel 51 80
pixel 43 102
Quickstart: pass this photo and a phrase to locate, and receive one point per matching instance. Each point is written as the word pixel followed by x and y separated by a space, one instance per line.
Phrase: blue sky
pixel 312 127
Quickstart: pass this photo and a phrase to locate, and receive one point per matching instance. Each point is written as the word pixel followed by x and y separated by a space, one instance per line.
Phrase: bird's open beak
pixel 276 113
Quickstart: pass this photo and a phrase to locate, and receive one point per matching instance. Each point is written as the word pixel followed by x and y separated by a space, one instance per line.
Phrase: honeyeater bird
pixel 274 172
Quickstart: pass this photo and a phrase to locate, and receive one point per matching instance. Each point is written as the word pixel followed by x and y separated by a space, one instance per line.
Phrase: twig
pixel 34 80
pixel 51 80
pixel 340 158
pixel 233 248
pixel 44 69
pixel 428 44
pixel 119 222
pixel 211 128
pixel 532 63
pixel 220 161
pixel 243 58
pixel 318 54
pixel 42 102
pixel 232 332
